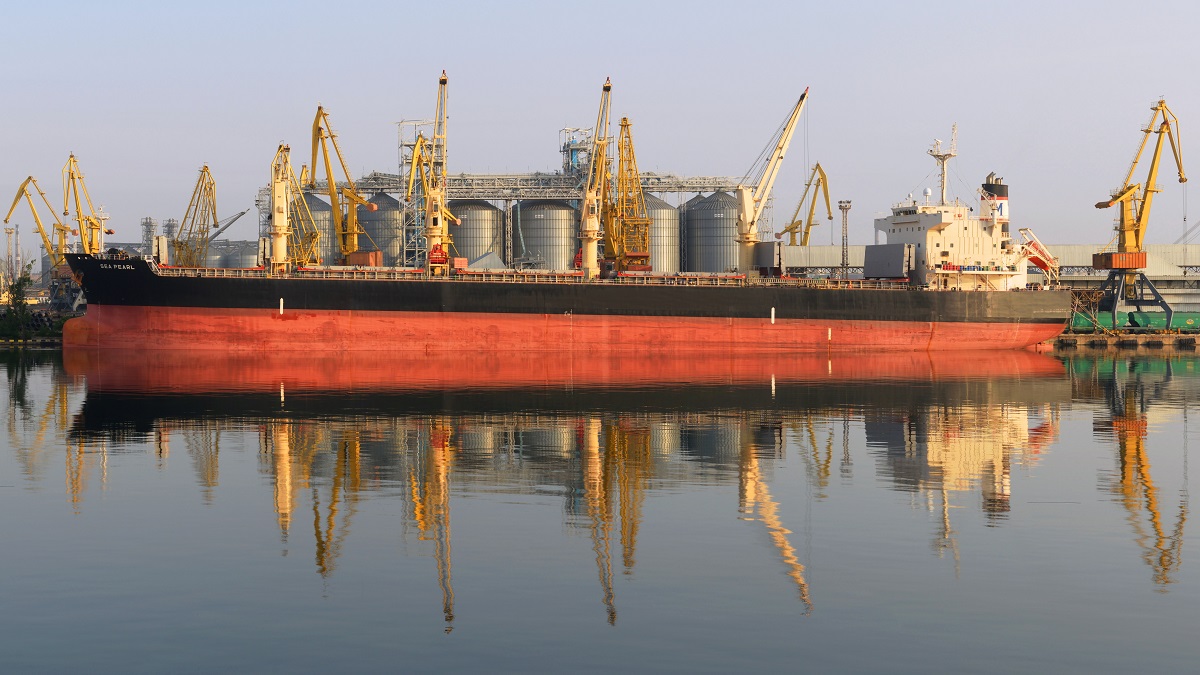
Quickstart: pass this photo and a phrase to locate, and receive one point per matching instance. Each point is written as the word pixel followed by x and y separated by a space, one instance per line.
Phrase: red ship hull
pixel 259 330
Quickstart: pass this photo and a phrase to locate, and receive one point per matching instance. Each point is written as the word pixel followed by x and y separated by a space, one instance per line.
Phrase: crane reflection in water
pixel 347 431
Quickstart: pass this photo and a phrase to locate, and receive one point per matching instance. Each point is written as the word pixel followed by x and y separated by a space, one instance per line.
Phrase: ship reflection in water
pixel 631 450
pixel 605 430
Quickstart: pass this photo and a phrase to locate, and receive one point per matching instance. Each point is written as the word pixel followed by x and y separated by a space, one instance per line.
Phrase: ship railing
pixel 540 276
pixel 220 272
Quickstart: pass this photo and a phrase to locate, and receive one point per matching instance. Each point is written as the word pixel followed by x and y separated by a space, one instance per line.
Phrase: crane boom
pixel 56 246
pixel 345 211
pixel 1137 198
pixel 752 199
pixel 596 210
pixel 819 180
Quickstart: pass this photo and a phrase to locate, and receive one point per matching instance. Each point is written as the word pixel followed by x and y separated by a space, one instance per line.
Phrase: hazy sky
pixel 1049 95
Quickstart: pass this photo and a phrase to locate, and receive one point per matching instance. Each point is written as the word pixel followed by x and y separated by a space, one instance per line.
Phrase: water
pixel 969 513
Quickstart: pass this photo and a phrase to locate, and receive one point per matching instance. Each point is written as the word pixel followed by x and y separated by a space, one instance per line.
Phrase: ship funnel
pixel 993 205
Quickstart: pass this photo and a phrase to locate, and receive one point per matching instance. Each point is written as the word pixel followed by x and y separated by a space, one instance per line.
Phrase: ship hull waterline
pixel 345 330
pixel 132 303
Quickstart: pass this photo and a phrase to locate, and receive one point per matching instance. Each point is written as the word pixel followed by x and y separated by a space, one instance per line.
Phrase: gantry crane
pixel 1125 280
pixel 91 226
pixel 752 196
pixel 345 206
pixel 596 215
pixel 817 181
pixel 627 234
pixel 429 163
pixel 190 247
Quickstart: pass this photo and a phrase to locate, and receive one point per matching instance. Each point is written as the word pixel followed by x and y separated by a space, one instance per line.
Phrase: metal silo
pixel 481 229
pixel 711 234
pixel 546 231
pixel 240 255
pixel 216 254
pixel 683 209
pixel 383 226
pixel 327 249
pixel 664 235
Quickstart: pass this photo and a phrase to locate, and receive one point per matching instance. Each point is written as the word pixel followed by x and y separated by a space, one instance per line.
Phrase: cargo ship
pixel 947 279
pixel 134 302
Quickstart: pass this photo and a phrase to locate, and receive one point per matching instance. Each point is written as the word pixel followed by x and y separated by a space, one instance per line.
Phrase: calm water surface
pixel 975 513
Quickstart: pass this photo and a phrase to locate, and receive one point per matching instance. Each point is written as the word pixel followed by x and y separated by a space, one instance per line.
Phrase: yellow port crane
pixel 1125 281
pixel 190 247
pixel 752 195
pixel 345 211
pixel 596 216
pixel 56 244
pixel 627 234
pixel 1136 198
pixel 428 172
pixel 818 184
pixel 91 227
pixel 294 235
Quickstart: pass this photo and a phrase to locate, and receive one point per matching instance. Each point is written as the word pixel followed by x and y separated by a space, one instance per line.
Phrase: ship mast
pixel 943 157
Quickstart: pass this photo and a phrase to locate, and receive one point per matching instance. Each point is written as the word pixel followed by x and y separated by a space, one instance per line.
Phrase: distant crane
pixel 91 224
pixel 752 195
pixel 345 211
pixel 56 243
pixel 65 293
pixel 818 184
pixel 190 247
pixel 429 164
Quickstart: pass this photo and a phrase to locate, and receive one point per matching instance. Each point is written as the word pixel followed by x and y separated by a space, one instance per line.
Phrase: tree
pixel 17 315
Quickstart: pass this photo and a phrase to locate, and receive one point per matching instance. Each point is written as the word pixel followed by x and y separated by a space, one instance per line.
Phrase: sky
pixel 1049 95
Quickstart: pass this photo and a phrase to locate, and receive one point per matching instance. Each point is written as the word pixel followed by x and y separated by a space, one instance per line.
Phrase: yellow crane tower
pixel 817 181
pixel 596 216
pixel 190 247
pixel 91 227
pixel 627 235
pixel 429 164
pixel 345 211
pixel 294 235
pixel 1125 281
pixel 752 197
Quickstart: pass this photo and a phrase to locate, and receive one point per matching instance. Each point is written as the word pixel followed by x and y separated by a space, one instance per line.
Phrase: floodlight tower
pixel 844 206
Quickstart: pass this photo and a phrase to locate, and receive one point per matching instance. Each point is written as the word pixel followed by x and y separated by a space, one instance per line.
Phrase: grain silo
pixel 711 234
pixel 664 235
pixel 382 227
pixel 545 232
pixel 480 230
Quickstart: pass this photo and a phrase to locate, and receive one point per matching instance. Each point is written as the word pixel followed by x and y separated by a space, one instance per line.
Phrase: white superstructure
pixel 952 245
